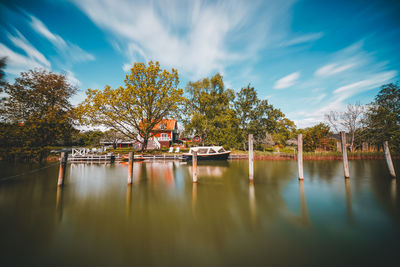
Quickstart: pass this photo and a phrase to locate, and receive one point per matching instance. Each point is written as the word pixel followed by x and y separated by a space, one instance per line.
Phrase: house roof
pixel 169 125
pixel 165 125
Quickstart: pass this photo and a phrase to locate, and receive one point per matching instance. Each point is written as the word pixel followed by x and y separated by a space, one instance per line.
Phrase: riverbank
pixel 44 154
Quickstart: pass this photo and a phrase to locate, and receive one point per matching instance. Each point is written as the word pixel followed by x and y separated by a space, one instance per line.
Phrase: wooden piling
pixel 63 165
pixel 251 159
pixel 389 159
pixel 194 166
pixel 300 155
pixel 130 167
pixel 344 153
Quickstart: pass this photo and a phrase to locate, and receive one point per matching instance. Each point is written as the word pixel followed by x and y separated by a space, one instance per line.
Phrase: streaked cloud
pixel 303 39
pixel 197 37
pixel 332 69
pixel 39 27
pixel 364 85
pixel 70 52
pixel 287 81
pixel 18 62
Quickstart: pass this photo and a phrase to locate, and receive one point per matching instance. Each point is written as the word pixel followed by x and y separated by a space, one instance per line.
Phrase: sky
pixel 305 57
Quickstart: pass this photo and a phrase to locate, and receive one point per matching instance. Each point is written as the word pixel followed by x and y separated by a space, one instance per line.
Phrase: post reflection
pixel 393 191
pixel 252 202
pixel 194 198
pixel 128 199
pixel 305 218
pixel 59 203
pixel 348 202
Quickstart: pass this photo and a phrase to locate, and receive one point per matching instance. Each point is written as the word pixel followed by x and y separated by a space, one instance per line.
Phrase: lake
pixel 163 219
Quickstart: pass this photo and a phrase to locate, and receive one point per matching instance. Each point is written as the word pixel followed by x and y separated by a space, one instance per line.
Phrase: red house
pixel 166 132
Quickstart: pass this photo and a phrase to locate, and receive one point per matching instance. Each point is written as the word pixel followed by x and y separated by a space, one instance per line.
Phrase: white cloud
pixel 38 25
pixel 333 68
pixel 17 62
pixel 357 87
pixel 72 78
pixel 198 38
pixel 70 52
pixel 338 100
pixel 304 39
pixel 287 81
pixel 21 42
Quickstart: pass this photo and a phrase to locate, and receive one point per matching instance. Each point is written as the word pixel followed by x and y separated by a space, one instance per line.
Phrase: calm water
pixel 165 220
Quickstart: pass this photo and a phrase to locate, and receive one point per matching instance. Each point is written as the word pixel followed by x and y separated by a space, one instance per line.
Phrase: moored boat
pixel 135 158
pixel 207 153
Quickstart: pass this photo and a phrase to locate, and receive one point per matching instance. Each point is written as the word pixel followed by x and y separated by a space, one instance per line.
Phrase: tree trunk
pixel 144 144
pixel 352 142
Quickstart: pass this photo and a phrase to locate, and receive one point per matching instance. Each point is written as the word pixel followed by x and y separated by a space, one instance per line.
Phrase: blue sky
pixel 306 57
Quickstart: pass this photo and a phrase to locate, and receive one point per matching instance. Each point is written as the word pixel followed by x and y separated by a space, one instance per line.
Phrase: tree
pixel 210 112
pixel 349 120
pixel 150 94
pixel 247 107
pixel 313 136
pixel 382 119
pixel 38 103
pixel 258 117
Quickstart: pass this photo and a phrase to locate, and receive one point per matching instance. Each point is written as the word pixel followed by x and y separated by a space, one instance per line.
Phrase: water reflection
pixel 218 222
pixel 252 202
pixel 194 198
pixel 349 206
pixel 322 169
pixel 305 219
pixel 59 203
pixel 214 169
pixel 128 199
pixel 393 192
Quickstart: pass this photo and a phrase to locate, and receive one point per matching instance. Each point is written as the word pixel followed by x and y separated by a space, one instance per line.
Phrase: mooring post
pixel 344 153
pixel 194 166
pixel 251 159
pixel 300 155
pixel 130 167
pixel 389 159
pixel 63 164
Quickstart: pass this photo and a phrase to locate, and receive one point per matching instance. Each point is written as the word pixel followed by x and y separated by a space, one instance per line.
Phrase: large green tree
pixel 210 112
pixel 382 119
pixel 149 95
pixel 258 117
pixel 36 109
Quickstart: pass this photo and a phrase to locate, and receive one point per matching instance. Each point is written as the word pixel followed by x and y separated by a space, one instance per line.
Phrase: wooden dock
pixel 92 158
